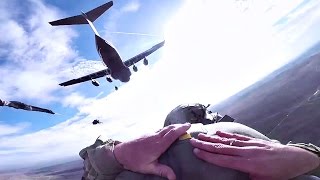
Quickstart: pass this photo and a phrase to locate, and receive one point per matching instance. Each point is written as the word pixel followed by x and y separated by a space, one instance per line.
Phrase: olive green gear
pixel 192 113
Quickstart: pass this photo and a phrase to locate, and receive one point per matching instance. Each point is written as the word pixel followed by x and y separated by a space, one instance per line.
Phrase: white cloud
pixel 12 129
pixel 212 51
pixel 33 52
pixel 75 99
pixel 287 18
pixel 115 15
pixel 132 6
pixel 299 36
pixel 86 67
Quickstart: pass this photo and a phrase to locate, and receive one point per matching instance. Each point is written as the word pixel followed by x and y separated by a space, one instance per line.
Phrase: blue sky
pixel 115 20
pixel 203 38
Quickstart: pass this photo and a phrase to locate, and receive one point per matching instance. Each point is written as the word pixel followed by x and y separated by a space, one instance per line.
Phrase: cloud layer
pixel 11 129
pixel 32 52
pixel 212 51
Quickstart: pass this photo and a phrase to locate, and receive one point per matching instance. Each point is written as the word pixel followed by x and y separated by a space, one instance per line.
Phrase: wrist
pixel 309 160
pixel 315 150
pixel 309 147
pixel 117 153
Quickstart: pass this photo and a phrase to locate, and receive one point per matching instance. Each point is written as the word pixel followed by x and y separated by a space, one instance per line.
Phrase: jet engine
pixel 135 69
pixel 95 82
pixel 109 79
pixel 145 61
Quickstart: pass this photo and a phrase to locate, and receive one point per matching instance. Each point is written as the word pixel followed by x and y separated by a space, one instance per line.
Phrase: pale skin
pixel 263 160
pixel 141 155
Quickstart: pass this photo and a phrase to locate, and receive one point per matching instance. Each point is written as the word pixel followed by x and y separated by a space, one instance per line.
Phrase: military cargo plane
pixel 20 105
pixel 116 68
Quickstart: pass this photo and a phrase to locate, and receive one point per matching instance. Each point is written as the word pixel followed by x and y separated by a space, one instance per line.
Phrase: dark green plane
pixel 20 105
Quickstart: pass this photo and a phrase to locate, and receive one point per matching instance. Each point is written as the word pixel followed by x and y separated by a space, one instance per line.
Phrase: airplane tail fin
pixel 80 19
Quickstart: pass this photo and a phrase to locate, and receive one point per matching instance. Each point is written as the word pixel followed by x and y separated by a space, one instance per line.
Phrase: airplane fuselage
pixel 112 60
pixel 116 68
pixel 110 56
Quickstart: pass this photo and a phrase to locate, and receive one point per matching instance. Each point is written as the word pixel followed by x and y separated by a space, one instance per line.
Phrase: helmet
pixel 192 113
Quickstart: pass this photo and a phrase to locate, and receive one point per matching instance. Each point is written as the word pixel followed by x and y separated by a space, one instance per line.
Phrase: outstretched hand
pixel 141 155
pixel 260 158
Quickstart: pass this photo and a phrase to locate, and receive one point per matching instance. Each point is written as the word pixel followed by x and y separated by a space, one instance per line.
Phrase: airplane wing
pixel 88 77
pixel 20 105
pixel 39 109
pixel 142 55
pixel 105 72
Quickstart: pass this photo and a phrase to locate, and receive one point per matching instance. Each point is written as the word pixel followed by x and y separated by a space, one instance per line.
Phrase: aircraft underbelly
pixel 113 61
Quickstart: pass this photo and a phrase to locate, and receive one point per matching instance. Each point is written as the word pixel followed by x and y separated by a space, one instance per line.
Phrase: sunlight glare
pixel 226 47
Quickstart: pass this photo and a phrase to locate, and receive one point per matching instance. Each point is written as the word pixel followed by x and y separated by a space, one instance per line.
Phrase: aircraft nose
pixel 126 79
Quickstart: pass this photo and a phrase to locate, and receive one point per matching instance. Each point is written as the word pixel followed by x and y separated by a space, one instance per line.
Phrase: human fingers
pixel 233 162
pixel 220 148
pixel 229 141
pixel 163 171
pixel 163 131
pixel 235 136
pixel 175 133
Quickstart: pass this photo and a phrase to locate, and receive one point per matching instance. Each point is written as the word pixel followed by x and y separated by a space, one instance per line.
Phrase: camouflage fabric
pixel 100 163
pixel 100 151
pixel 192 113
pixel 20 105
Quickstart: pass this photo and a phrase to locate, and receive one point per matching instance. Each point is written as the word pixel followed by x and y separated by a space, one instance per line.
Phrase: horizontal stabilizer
pixel 79 19
pixel 95 13
pixel 70 21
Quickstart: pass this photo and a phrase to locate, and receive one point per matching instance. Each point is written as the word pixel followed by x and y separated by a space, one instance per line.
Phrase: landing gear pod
pixel 95 82
pixel 109 79
pixel 145 61
pixel 134 67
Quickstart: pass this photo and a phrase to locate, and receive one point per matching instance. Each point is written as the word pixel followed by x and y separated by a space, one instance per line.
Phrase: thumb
pixel 163 171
